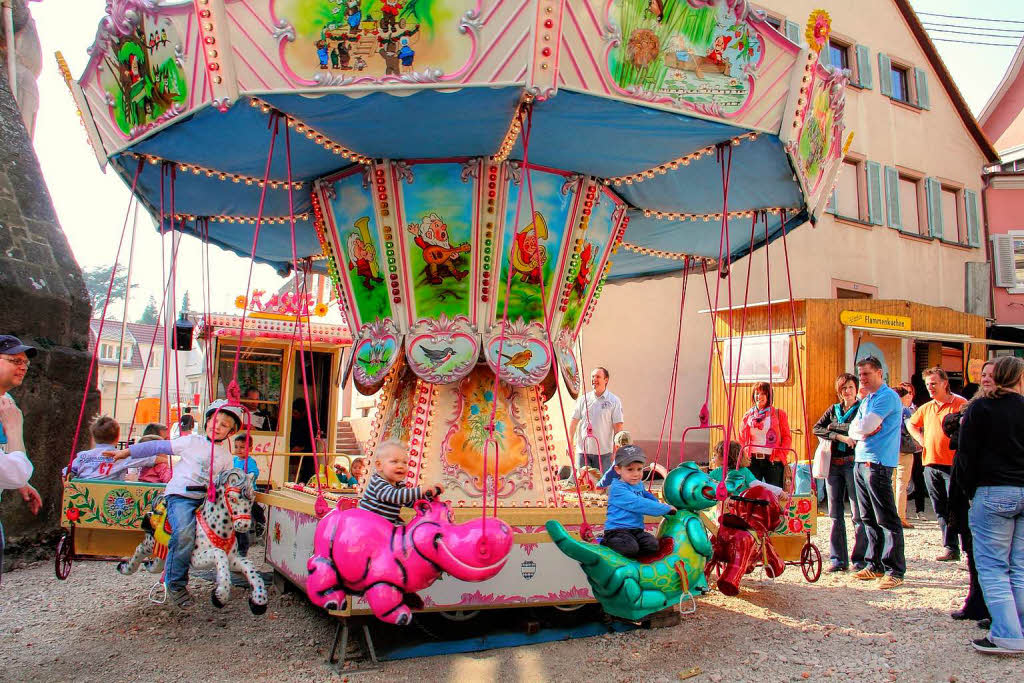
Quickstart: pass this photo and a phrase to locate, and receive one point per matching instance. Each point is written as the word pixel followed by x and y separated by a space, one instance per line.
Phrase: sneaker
pixel 868 574
pixel 949 555
pixel 889 581
pixel 985 624
pixel 837 568
pixel 963 615
pixel 180 599
pixel 986 645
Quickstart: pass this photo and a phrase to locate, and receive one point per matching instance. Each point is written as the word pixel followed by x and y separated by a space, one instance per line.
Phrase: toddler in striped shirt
pixel 387 493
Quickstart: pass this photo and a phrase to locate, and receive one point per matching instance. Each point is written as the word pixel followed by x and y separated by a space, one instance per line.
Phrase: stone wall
pixel 45 303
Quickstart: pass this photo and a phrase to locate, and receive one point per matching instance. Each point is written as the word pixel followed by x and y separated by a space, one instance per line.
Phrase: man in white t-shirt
pixel 596 419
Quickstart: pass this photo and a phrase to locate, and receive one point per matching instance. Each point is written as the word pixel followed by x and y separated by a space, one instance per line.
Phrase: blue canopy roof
pixel 570 131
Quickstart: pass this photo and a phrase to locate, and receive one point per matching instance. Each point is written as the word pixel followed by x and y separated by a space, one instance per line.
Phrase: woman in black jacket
pixel 834 426
pixel 990 468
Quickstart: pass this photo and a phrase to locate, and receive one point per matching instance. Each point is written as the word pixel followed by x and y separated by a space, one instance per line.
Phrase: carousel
pixel 469 174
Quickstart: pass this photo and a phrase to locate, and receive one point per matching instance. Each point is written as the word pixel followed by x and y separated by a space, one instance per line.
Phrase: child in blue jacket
pixel 628 502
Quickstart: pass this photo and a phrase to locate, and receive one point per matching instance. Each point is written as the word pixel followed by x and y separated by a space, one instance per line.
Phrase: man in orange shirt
pixel 925 425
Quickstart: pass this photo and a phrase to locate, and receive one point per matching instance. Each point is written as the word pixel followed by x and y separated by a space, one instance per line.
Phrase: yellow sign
pixel 974 366
pixel 877 320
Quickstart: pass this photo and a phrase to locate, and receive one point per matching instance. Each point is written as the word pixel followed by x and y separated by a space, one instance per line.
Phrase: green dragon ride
pixel 634 588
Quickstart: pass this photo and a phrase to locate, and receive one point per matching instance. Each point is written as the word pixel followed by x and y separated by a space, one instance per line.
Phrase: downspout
pixel 12 60
pixel 986 186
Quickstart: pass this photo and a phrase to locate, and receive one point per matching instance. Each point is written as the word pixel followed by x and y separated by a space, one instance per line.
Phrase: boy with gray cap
pixel 628 502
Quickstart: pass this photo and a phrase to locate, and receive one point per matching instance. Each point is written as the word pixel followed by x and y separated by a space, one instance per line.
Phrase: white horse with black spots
pixel 217 525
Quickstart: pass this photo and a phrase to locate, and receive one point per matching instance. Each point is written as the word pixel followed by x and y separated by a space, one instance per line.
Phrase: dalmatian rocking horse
pixel 217 526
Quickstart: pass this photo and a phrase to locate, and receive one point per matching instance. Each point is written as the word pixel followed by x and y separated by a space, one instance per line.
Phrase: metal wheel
pixel 570 608
pixel 810 562
pixel 460 615
pixel 62 558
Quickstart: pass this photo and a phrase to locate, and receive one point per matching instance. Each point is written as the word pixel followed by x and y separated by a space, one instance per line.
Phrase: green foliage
pixel 185 305
pixel 151 315
pixel 98 279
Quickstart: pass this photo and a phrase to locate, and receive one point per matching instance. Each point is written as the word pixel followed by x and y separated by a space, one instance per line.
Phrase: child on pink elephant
pixel 364 551
pixel 387 493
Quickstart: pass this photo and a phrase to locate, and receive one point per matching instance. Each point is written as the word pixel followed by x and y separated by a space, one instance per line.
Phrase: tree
pixel 185 305
pixel 151 315
pixel 96 282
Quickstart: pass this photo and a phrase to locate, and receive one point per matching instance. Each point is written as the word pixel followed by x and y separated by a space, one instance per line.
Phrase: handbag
pixel 909 444
pixel 822 459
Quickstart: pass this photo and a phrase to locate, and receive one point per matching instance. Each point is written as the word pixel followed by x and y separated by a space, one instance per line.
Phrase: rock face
pixel 45 304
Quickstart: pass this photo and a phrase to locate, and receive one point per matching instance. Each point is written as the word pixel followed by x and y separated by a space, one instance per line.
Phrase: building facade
pixel 904 224
pixel 1003 121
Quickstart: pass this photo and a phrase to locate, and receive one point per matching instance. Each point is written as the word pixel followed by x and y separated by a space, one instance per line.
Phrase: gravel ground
pixel 99 626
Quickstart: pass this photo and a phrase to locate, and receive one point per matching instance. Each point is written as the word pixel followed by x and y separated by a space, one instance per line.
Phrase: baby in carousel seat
pixel 387 493
pixel 93 464
pixel 628 502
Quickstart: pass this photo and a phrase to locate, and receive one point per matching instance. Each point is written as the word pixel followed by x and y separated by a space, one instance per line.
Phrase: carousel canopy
pixel 642 102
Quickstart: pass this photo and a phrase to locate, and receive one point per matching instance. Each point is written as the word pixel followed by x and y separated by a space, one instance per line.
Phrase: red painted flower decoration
pixel 277 532
pixel 73 514
pixel 804 506
pixel 796 525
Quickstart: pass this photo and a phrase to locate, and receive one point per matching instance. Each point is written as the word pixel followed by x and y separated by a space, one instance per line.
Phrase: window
pixel 758 361
pixel 842 293
pixel 952 226
pixel 838 54
pixel 848 190
pixel 1008 254
pixel 900 84
pixel 108 352
pixel 774 22
pixel 909 205
pixel 259 378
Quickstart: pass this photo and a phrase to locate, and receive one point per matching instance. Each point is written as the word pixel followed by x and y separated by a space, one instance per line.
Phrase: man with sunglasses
pixel 15 468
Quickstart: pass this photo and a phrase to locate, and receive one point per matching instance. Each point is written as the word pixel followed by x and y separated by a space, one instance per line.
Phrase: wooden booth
pixel 831 335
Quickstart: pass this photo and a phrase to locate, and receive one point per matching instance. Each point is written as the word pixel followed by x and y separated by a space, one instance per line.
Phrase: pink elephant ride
pixel 357 552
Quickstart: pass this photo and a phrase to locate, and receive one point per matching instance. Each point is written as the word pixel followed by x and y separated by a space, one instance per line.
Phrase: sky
pixel 92 205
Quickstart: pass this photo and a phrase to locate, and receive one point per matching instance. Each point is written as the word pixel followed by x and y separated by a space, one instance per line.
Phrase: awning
pixel 935 336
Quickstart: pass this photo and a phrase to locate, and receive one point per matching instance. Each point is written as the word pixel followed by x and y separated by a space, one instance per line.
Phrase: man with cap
pixel 15 468
pixel 628 502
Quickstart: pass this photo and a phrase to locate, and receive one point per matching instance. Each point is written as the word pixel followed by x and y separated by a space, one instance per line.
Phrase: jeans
pixel 936 477
pixel 900 482
pixel 840 485
pixel 920 491
pixel 181 513
pixel 768 471
pixel 600 462
pixel 997 523
pixel 630 542
pixel 245 540
pixel 882 525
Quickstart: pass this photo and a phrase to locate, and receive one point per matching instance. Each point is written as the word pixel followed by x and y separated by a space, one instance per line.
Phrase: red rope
pixel 103 320
pixel 232 392
pixel 174 300
pixel 152 342
pixel 298 320
pixel 165 369
pixel 670 415
pixel 796 347
pixel 501 337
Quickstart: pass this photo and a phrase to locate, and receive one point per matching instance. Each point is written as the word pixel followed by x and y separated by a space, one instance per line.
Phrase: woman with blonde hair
pixel 990 469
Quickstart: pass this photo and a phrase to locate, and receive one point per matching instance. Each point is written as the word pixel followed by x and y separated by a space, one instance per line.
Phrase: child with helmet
pixel 187 488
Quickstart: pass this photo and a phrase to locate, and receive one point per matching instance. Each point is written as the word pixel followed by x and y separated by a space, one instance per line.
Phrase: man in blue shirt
pixel 876 429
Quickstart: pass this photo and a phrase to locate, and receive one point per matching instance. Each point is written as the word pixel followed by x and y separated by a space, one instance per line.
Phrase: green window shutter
pixel 933 198
pixel 793 31
pixel 973 227
pixel 874 170
pixel 864 66
pixel 892 197
pixel 833 203
pixel 921 84
pixel 1002 255
pixel 884 75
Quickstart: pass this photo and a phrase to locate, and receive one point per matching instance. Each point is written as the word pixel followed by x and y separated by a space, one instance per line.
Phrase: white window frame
pixel 1015 235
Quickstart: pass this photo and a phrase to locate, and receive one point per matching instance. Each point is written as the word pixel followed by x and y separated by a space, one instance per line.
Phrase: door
pixel 317 385
pixel 886 349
